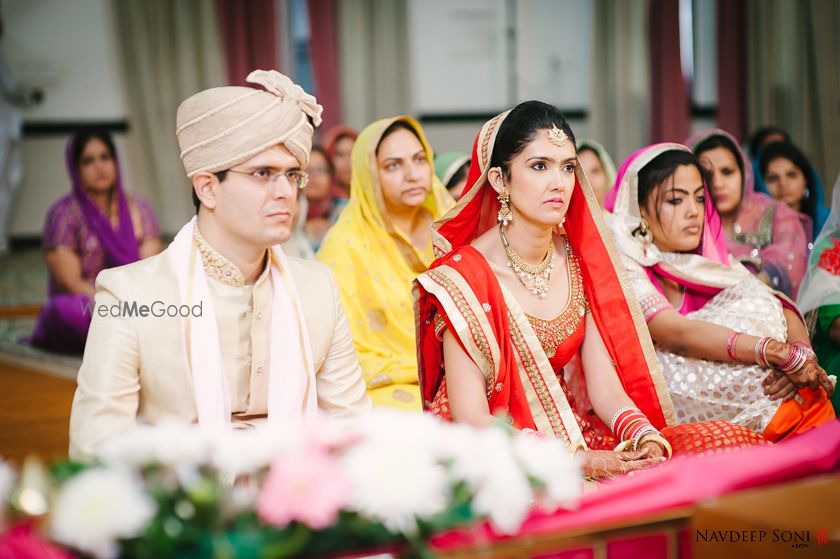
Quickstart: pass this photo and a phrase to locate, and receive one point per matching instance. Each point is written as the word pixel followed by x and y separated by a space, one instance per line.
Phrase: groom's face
pixel 257 201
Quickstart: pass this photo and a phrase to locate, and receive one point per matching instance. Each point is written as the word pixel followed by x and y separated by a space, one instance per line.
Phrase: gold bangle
pixel 624 445
pixel 657 438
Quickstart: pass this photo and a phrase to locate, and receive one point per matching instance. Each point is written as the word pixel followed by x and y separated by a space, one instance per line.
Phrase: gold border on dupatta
pixel 467 316
pixel 551 411
pixel 659 382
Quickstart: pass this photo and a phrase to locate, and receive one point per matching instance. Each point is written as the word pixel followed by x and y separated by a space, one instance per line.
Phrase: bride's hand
pixel 606 464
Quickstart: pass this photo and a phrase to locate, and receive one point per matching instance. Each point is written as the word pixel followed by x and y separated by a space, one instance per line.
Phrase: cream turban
pixel 224 126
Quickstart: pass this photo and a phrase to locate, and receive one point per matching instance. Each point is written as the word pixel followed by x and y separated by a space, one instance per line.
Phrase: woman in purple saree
pixel 94 227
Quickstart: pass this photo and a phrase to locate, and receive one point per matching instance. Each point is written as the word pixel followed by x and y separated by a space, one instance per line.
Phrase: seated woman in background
pixel 765 235
pixel 452 168
pixel 599 167
pixel 380 242
pixel 730 347
pixel 338 143
pixel 96 226
pixel 524 314
pixel 819 297
pixel 323 206
pixel 766 135
pixel 789 177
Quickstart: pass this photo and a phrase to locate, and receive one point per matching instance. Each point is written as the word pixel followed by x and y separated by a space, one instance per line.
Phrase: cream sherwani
pixel 135 369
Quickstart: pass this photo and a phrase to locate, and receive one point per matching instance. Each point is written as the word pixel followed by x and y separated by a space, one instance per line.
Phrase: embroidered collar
pixel 217 266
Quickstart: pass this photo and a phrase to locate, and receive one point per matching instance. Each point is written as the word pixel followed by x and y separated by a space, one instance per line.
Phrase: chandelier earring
pixel 505 215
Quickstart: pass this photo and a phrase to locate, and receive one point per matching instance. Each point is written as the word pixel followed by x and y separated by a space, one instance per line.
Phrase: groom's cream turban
pixel 224 126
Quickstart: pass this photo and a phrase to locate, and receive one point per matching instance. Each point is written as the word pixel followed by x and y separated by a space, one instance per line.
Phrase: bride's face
pixel 675 211
pixel 542 179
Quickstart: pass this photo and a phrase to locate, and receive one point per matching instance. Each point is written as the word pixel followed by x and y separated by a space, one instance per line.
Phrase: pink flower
pixel 22 542
pixel 307 486
pixel 326 435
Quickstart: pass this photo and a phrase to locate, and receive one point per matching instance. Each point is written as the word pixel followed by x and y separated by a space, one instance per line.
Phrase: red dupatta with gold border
pixel 494 331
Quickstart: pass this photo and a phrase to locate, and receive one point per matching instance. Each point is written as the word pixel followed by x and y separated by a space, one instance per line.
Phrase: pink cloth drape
pixel 249 37
pixel 678 483
pixel 669 91
pixel 323 52
pixel 732 66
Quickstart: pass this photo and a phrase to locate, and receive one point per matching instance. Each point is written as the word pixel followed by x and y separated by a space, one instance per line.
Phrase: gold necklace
pixel 537 276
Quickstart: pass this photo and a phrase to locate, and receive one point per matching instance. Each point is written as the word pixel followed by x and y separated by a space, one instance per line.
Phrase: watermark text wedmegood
pixel 131 309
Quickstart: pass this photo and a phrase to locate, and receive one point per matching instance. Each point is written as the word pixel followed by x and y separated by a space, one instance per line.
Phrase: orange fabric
pixel 793 418
pixel 710 436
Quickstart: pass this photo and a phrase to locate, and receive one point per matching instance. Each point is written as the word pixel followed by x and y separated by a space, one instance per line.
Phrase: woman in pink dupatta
pixel 723 337
pixel 767 237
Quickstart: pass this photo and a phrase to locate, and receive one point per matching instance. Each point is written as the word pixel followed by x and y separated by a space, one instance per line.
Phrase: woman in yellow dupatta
pixel 381 241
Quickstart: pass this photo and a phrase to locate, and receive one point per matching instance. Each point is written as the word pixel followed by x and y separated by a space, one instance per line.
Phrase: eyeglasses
pixel 266 176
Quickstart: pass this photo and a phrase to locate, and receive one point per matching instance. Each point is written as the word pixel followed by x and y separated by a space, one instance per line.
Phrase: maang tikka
pixel 557 136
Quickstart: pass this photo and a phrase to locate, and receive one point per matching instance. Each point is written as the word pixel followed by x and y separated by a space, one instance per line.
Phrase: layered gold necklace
pixel 533 278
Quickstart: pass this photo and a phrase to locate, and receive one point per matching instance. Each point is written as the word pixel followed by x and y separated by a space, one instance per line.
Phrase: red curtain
pixel 249 37
pixel 669 91
pixel 323 52
pixel 732 66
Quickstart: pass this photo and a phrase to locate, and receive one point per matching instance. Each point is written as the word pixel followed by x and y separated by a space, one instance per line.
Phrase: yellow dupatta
pixel 374 264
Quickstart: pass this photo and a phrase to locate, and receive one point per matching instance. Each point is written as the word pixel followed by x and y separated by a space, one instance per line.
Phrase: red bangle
pixel 730 346
pixel 626 422
pixel 636 428
pixel 624 419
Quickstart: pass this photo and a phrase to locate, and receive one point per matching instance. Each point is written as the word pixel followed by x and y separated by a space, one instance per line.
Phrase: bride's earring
pixel 505 215
pixel 643 233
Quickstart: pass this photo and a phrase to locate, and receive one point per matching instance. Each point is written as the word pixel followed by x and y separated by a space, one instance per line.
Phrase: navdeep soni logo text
pixel 793 538
pixel 132 309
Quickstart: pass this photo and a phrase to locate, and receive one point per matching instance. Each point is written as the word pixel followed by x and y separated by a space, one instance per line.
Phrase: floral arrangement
pixel 386 480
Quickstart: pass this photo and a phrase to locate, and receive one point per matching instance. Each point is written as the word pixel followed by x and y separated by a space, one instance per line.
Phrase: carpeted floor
pixel 23 278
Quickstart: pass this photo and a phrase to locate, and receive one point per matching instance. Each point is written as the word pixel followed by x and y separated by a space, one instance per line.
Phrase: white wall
pixel 459 56
pixel 554 52
pixel 464 61
pixel 68 50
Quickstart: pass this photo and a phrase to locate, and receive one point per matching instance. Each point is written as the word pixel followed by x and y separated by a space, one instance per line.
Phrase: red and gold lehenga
pixel 532 367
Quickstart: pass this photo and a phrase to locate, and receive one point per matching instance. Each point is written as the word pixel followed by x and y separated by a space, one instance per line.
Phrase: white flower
pixel 169 442
pixel 236 452
pixel 549 462
pixel 485 461
pixel 395 482
pixel 98 507
pixel 393 426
